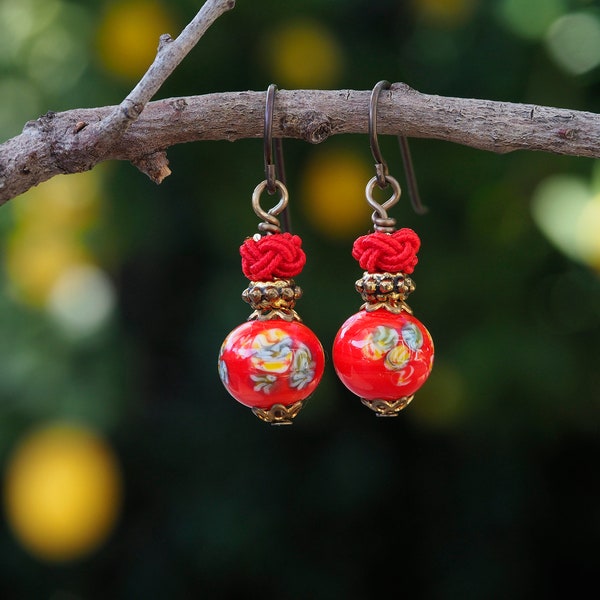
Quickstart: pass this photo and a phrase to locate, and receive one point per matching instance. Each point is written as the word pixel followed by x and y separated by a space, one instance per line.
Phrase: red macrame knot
pixel 276 255
pixel 392 252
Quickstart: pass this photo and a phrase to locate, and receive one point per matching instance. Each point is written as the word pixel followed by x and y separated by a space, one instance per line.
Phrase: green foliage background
pixel 485 487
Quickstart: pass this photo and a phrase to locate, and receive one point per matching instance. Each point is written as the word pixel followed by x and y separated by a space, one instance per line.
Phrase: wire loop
pixel 270 223
pixel 381 221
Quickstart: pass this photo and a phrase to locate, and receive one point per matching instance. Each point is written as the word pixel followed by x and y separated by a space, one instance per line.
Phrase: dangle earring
pixel 383 354
pixel 272 363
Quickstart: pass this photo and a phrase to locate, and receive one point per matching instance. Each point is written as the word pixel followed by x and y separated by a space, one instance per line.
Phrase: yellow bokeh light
pixel 66 202
pixel 35 262
pixel 47 239
pixel 62 492
pixel 129 33
pixel 303 54
pixel 445 12
pixel 333 193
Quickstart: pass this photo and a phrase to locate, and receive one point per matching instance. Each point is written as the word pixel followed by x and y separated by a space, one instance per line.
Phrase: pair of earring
pixel 383 354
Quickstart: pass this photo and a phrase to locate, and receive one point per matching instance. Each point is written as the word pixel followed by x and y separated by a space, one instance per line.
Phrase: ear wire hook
pixel 411 178
pixel 270 173
pixel 381 167
pixel 274 165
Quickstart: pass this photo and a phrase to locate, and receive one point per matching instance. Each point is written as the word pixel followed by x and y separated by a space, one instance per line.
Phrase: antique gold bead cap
pixel 385 290
pixel 387 408
pixel 279 414
pixel 273 299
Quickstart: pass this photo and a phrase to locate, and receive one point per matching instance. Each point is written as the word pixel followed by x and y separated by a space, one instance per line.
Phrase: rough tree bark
pixel 139 131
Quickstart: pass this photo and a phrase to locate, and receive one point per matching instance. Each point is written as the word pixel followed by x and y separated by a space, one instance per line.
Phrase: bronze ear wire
pixel 273 153
pixel 381 167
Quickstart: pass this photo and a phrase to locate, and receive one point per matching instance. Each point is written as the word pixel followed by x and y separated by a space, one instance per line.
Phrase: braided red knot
pixel 276 255
pixel 387 252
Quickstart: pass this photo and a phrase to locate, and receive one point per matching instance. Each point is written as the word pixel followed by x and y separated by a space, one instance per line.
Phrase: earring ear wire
pixel 381 167
pixel 273 154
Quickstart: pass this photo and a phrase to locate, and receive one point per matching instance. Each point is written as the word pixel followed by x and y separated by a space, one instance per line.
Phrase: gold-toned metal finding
pixel 279 414
pixel 380 218
pixel 385 290
pixel 273 299
pixel 270 223
pixel 387 408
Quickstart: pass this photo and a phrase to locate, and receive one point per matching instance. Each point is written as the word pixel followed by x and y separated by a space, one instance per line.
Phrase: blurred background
pixel 129 472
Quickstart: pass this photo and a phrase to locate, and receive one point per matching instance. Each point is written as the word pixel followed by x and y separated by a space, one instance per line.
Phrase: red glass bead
pixel 381 355
pixel 264 363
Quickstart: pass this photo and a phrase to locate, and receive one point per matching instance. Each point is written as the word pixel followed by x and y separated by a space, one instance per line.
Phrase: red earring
pixel 272 363
pixel 383 354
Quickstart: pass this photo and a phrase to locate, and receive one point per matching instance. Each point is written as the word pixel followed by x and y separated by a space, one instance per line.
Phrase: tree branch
pixel 52 144
pixel 45 149
pixel 139 131
pixel 170 54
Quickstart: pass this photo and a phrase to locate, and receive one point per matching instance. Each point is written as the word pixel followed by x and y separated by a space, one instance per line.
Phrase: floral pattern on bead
pixel 379 355
pixel 303 371
pixel 378 342
pixel 222 365
pixel 396 349
pixel 263 363
pixel 264 383
pixel 272 351
pixel 412 336
pixel 397 358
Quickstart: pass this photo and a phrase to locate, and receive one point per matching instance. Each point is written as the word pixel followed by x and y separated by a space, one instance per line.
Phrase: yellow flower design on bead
pixel 397 358
pixel 272 351
pixel 273 355
pixel 378 342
